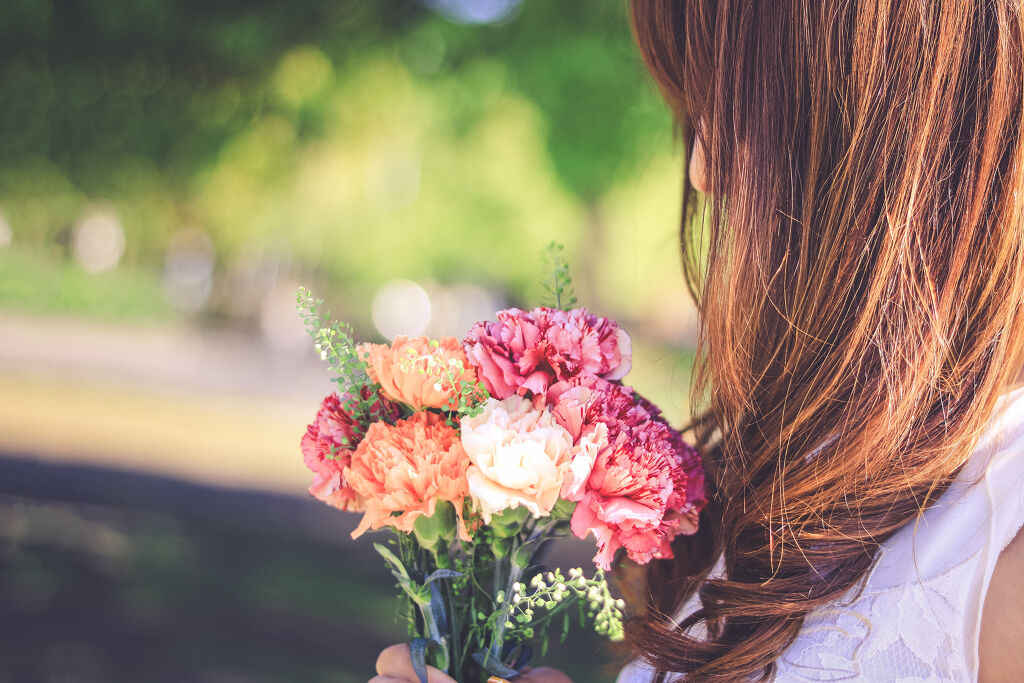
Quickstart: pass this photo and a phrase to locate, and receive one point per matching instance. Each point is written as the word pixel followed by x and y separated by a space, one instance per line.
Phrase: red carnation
pixel 329 441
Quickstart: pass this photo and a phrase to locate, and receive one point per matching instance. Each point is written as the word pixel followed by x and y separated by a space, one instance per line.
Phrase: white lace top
pixel 916 615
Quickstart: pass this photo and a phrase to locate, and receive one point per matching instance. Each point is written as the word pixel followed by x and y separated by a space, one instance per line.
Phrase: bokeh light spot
pixel 401 307
pixel 302 73
pixel 476 11
pixel 6 233
pixel 97 240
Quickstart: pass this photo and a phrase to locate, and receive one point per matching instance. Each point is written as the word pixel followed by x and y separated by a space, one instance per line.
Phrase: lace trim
pixel 905 633
pixel 900 633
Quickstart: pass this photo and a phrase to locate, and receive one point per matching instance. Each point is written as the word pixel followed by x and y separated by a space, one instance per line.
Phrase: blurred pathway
pixel 205 405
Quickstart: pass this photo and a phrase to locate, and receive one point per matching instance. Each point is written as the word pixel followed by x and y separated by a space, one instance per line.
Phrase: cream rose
pixel 519 456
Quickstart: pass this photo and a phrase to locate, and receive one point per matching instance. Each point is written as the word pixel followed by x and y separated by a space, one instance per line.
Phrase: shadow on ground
pixel 107 575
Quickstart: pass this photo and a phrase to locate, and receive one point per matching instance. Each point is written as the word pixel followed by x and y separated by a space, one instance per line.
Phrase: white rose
pixel 520 456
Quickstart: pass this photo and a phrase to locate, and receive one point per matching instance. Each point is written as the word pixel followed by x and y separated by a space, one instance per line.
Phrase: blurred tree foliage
pixel 362 140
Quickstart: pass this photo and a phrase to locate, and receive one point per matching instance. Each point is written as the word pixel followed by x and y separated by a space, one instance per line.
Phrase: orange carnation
pixel 412 372
pixel 407 468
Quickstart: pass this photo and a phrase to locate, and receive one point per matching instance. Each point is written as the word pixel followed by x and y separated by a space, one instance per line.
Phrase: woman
pixel 857 259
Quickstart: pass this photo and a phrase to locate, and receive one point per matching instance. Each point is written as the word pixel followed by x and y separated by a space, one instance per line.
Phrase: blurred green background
pixel 170 172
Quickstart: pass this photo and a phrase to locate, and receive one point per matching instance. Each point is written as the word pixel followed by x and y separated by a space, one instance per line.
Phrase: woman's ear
pixel 698 167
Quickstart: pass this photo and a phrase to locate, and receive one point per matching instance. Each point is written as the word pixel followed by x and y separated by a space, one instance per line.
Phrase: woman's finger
pixel 395 666
pixel 542 674
pixel 395 662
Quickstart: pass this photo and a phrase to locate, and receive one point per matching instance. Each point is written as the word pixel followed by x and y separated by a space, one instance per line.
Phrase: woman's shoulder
pixel 1002 618
pixel 1000 656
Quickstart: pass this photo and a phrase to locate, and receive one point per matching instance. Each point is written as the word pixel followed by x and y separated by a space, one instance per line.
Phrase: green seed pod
pixel 426 532
pixel 439 526
pixel 563 509
pixel 509 522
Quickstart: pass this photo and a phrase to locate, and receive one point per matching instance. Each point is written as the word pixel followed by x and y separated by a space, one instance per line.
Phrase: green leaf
pixel 559 287
pixel 442 574
pixel 392 559
pixel 418 594
pixel 525 654
pixel 493 666
pixel 527 552
pixel 438 608
pixel 418 649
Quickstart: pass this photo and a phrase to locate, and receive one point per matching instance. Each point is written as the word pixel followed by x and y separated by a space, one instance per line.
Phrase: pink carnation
pixel 327 448
pixel 689 498
pixel 583 401
pixel 637 498
pixel 531 350
pixel 644 485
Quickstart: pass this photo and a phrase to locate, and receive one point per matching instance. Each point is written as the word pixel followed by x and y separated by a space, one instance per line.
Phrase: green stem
pixel 441 556
pixel 499 563
pixel 444 561
pixel 407 555
pixel 434 633
pixel 498 641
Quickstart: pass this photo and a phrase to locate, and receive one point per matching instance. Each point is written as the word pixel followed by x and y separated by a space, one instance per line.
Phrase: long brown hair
pixel 858 266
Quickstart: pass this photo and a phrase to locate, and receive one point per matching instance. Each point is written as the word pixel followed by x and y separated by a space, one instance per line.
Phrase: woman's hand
pixel 395 666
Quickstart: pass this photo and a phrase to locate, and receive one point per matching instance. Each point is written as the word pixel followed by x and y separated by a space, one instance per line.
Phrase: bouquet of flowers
pixel 477 452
